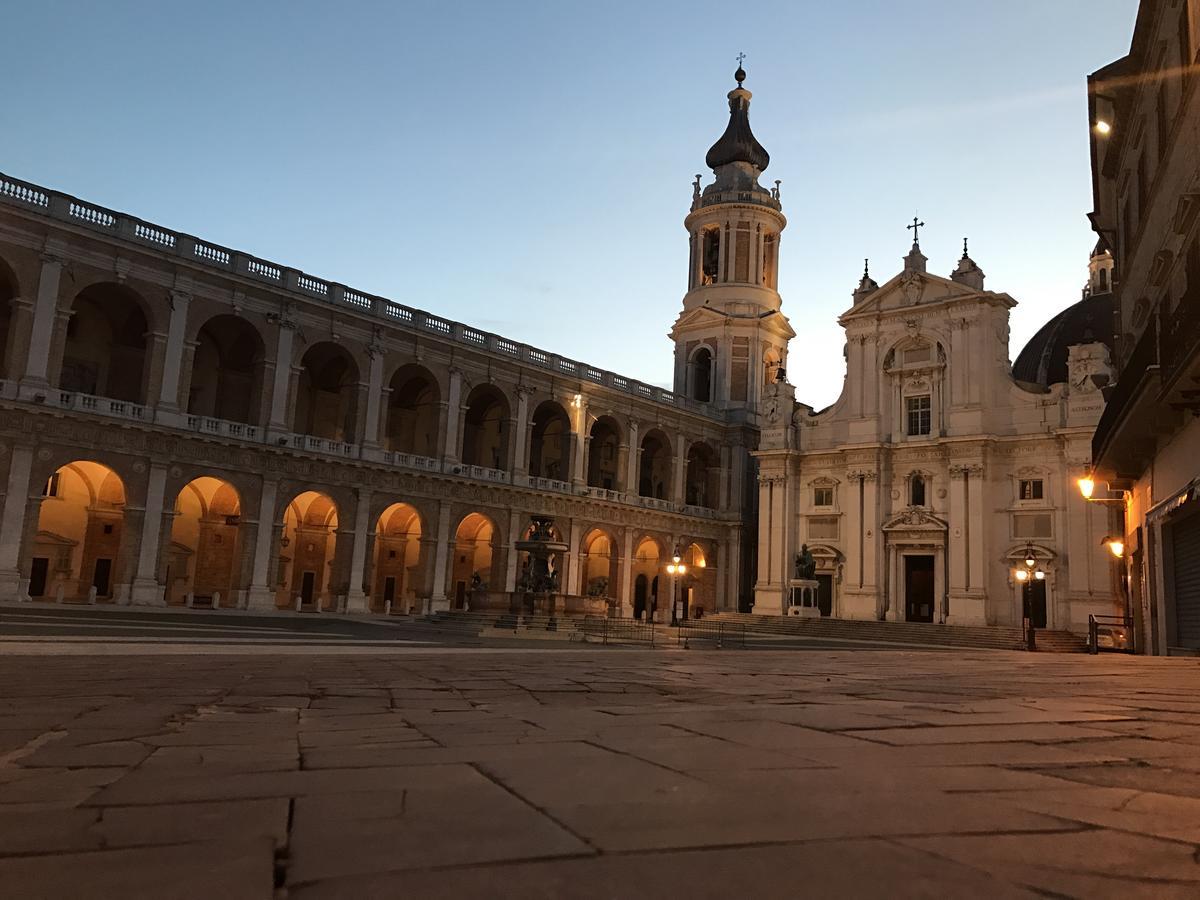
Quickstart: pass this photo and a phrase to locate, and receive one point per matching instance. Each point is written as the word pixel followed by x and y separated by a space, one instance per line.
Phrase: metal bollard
pixel 92 595
pixel 60 593
pixel 299 601
pixel 189 599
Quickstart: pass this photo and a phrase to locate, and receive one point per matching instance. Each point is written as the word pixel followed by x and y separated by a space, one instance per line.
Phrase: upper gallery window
pixel 919 416
pixel 916 491
pixel 1031 489
pixel 823 496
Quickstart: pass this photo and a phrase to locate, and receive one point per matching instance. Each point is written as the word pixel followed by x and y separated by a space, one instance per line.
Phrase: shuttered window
pixel 1185 569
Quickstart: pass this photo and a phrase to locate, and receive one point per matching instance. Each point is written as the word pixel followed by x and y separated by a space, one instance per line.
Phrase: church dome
pixel 1044 359
pixel 738 143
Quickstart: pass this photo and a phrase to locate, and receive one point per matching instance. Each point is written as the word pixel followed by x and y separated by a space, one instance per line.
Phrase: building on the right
pixel 1145 151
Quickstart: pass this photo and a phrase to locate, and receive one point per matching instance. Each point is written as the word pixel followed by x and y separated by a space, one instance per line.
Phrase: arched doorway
pixel 326 401
pixel 204 550
pixel 473 573
pixel 105 352
pixel 412 420
pixel 604 454
pixel 702 482
pixel 227 371
pixel 549 442
pixel 77 546
pixel 306 552
pixel 646 564
pixel 654 476
pixel 396 576
pixel 485 428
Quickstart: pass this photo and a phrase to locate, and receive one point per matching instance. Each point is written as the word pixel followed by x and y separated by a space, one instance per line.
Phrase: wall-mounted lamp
pixel 1115 545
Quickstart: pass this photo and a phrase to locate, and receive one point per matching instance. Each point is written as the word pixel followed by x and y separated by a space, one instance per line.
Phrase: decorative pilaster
pixel 12 522
pixel 356 597
pixel 45 314
pixel 146 589
pixel 261 595
pixel 281 419
pixel 168 396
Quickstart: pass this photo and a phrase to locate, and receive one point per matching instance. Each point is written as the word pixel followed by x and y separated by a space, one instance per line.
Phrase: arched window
pixel 700 375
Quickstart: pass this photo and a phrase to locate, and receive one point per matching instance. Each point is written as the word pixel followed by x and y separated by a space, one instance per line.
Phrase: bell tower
pixel 731 337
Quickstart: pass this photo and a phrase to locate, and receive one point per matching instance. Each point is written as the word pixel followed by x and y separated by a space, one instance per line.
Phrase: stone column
pixel 356 598
pixel 45 314
pixel 870 526
pixel 680 474
pixel 960 529
pixel 519 454
pixel 626 572
pixel 582 443
pixel 451 434
pixel 635 451
pixel 146 589
pixel 281 419
pixel 575 558
pixel 261 596
pixel 437 598
pixel 516 521
pixel 16 352
pixel 370 437
pixel 726 477
pixel 976 580
pixel 12 522
pixel 168 395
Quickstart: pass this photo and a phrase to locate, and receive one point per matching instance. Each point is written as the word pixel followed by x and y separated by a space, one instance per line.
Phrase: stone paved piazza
pixel 164 771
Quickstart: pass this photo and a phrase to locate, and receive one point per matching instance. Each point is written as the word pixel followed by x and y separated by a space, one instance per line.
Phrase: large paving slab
pixel 596 773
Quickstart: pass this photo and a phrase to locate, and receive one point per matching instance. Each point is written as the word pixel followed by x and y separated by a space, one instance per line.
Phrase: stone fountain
pixel 538 585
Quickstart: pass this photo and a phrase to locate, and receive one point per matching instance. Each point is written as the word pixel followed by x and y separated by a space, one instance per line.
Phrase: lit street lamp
pixel 675 567
pixel 1026 575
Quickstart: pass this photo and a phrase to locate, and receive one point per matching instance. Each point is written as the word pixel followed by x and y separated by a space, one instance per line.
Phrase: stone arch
pixel 397 570
pixel 228 366
pixel 80 529
pixel 699 585
pixel 107 344
pixel 700 373
pixel 413 419
pixel 476 565
pixel 702 482
pixel 655 468
pixel 308 548
pixel 202 556
pixel 772 363
pixel 327 393
pixel 550 442
pixel 649 556
pixel 486 428
pixel 604 454
pixel 599 562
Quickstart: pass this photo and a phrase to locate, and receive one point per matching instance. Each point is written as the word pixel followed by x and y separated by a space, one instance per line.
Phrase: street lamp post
pixel 675 567
pixel 1026 575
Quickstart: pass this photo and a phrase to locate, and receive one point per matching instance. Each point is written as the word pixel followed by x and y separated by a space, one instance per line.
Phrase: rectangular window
pixel 920 414
pixel 1031 489
pixel 823 496
pixel 1032 525
pixel 51 488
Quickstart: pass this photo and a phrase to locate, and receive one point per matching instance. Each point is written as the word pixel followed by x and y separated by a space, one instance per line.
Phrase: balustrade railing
pixel 105 406
pixel 78 212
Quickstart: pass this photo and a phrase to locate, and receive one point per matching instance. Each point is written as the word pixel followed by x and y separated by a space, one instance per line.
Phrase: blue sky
pixel 526 167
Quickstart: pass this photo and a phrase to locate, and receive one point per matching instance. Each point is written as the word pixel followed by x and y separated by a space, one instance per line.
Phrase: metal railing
pixel 1111 634
pixel 617 631
pixel 722 634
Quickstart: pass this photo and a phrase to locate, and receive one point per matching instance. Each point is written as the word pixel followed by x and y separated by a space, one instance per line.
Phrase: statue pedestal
pixel 802 598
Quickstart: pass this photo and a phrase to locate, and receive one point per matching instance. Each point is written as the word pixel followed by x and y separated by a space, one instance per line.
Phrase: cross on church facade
pixel 914 229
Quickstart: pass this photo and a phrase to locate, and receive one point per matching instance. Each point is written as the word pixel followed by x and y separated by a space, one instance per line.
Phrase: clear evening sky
pixel 526 167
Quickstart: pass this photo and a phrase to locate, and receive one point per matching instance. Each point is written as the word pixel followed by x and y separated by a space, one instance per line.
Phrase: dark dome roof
pixel 1044 359
pixel 738 144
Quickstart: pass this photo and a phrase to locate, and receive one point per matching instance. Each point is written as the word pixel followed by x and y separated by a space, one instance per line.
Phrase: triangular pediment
pixel 912 289
pixel 915 519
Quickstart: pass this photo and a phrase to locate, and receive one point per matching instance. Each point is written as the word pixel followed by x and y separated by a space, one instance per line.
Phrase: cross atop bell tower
pixel 731 336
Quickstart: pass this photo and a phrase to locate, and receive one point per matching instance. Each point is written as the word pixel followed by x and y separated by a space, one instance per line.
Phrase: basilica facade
pixel 184 423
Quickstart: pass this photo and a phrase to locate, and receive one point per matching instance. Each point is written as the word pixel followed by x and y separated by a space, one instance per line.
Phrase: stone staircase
pixel 501 624
pixel 992 637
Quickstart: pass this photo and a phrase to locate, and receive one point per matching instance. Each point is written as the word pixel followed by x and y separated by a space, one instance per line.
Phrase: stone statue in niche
pixel 806 565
